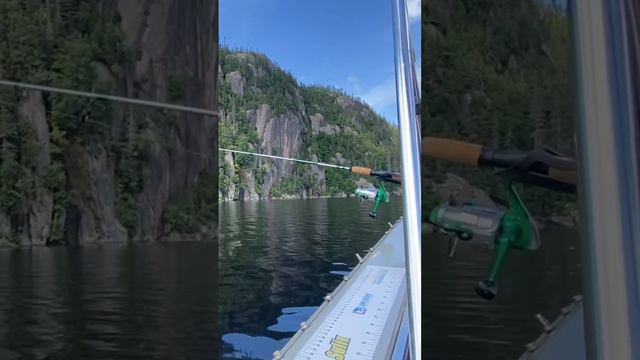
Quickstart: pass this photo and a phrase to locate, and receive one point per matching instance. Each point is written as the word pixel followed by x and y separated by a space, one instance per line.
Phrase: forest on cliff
pixel 264 109
pixel 76 170
pixel 497 73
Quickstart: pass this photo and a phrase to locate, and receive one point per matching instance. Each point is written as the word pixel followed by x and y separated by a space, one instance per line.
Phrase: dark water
pixel 279 258
pixel 146 301
pixel 459 325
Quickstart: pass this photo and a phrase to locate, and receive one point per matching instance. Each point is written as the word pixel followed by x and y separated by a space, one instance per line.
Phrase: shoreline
pixel 7 246
pixel 344 196
pixel 288 198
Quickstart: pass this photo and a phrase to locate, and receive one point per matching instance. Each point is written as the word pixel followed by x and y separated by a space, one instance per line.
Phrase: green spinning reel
pixel 513 228
pixel 377 194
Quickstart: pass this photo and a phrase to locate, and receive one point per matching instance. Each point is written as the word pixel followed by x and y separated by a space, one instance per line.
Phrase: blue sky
pixel 343 43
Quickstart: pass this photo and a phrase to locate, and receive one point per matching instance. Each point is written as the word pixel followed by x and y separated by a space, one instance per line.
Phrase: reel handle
pixel 487 289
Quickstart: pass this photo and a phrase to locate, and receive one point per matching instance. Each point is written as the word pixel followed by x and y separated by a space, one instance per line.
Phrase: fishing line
pixel 286 158
pixel 175 147
pixel 109 126
pixel 151 104
pixel 148 103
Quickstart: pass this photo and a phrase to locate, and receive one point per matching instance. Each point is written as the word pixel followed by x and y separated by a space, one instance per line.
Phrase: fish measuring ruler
pixel 353 328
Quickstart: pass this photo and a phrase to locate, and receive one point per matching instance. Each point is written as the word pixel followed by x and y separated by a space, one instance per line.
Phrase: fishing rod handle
pixel 474 154
pixel 452 150
pixel 360 170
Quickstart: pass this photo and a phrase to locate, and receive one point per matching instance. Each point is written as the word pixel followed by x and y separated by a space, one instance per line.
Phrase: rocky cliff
pixel 77 171
pixel 264 109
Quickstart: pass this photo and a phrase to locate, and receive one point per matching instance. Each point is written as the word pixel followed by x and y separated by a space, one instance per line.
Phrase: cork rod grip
pixel 452 150
pixel 361 170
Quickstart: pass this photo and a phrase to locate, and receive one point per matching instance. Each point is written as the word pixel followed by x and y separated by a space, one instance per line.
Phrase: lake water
pixel 143 301
pixel 457 324
pixel 277 260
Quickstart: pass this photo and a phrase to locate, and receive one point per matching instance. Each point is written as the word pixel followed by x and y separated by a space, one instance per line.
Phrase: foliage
pixel 363 137
pixel 78 45
pixel 496 73
pixel 176 89
pixel 128 184
pixel 17 180
pixel 16 155
pixel 274 86
pixel 196 211
pixel 60 44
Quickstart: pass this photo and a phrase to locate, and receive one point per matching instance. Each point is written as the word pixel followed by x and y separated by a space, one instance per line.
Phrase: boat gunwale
pixel 328 299
pixel 533 348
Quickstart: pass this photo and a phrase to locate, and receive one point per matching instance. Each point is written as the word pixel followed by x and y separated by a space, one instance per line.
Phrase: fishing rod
pixel 380 192
pixel 514 227
pixel 377 194
pixel 541 166
pixel 387 176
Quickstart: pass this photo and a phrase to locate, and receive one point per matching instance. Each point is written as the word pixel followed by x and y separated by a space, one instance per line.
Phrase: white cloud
pixel 381 96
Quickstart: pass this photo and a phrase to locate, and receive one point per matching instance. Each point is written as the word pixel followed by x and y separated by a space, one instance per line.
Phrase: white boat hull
pixel 366 315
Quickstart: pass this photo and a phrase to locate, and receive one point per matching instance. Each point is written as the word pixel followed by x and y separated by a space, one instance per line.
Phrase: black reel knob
pixel 487 289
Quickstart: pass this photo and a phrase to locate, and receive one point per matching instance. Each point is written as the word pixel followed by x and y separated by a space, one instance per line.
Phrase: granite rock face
pixel 172 51
pixel 265 110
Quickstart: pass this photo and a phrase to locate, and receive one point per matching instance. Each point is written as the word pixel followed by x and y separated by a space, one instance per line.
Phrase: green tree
pixel 496 73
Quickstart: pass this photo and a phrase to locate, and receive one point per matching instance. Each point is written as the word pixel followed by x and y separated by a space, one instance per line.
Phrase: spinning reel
pixel 513 228
pixel 377 194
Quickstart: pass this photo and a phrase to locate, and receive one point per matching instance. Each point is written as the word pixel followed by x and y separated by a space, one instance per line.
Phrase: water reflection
pixel 293 253
pixel 262 347
pixel 144 301
pixel 291 318
pixel 250 347
pixel 530 283
pixel 290 256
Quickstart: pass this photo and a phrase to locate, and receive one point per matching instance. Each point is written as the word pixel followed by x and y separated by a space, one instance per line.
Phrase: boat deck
pixel 365 315
pixel 563 339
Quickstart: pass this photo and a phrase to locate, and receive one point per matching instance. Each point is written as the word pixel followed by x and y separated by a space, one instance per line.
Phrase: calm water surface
pixel 144 301
pixel 530 283
pixel 277 260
